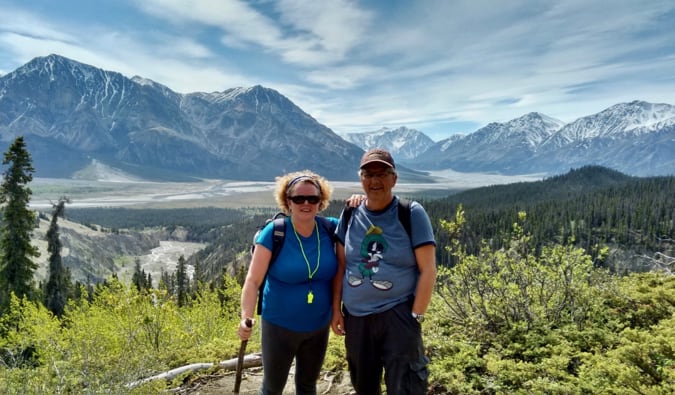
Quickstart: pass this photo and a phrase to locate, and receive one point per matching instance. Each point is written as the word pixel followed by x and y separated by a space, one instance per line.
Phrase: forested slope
pixel 587 207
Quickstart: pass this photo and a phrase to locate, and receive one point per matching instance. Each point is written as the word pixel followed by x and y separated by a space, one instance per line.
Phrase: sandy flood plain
pixel 231 194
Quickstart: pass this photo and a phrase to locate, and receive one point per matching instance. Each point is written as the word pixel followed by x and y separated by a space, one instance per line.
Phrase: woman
pixel 297 299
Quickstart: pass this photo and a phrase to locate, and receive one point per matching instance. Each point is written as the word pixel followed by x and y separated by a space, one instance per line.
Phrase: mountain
pixel 497 147
pixel 74 116
pixel 636 138
pixel 403 143
pixel 80 121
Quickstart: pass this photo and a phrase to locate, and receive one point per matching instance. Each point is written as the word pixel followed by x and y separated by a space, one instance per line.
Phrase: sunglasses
pixel 379 176
pixel 300 199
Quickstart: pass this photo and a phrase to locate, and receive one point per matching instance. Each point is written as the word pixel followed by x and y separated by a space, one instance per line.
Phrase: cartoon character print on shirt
pixel 372 248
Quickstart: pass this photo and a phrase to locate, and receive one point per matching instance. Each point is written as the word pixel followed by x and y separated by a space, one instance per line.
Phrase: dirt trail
pixel 328 384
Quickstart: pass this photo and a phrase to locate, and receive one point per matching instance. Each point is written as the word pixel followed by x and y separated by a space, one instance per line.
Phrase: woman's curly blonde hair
pixel 285 183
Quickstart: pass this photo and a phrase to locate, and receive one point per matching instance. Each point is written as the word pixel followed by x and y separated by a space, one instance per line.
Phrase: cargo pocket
pixel 418 376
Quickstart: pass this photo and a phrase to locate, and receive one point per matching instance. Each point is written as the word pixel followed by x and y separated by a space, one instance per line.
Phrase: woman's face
pixel 304 199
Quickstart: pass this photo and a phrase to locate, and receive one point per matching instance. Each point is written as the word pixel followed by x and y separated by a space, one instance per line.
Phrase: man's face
pixel 377 179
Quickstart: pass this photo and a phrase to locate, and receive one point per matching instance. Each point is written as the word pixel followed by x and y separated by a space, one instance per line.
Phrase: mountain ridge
pixel 75 116
pixel 84 114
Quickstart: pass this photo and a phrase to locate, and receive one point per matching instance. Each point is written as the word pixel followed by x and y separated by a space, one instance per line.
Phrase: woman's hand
pixel 245 328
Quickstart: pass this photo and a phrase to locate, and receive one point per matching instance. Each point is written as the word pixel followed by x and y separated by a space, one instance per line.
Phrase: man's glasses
pixel 300 199
pixel 379 176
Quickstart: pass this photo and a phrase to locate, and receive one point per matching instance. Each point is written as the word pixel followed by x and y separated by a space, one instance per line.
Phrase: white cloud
pixel 359 65
pixel 335 26
pixel 306 34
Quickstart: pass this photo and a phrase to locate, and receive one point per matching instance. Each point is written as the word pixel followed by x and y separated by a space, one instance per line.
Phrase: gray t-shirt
pixel 381 270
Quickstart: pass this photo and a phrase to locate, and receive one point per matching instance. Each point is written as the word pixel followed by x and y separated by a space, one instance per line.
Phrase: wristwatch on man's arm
pixel 418 317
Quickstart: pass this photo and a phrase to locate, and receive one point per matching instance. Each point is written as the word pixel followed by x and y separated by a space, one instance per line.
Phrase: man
pixel 384 284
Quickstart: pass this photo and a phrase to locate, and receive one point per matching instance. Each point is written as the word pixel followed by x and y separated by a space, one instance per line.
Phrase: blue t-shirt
pixel 381 270
pixel 285 293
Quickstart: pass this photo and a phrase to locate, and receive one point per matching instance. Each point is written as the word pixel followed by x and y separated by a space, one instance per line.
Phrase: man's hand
pixel 355 200
pixel 337 323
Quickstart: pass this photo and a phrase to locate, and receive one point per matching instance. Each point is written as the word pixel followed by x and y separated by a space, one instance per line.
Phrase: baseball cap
pixel 377 155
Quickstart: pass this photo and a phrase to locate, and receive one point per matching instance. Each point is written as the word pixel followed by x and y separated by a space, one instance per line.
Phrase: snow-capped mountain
pixel 403 143
pixel 636 138
pixel 617 122
pixel 495 147
pixel 73 115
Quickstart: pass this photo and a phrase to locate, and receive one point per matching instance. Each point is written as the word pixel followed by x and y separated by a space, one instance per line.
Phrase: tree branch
pixel 250 360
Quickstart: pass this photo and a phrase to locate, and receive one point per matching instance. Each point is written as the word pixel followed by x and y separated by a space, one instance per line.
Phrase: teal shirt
pixel 288 284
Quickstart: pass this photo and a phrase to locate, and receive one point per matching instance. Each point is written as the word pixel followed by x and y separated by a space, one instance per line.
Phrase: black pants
pixel 389 341
pixel 280 346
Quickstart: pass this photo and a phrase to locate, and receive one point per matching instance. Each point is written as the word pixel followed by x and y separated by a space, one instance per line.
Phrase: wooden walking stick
pixel 240 360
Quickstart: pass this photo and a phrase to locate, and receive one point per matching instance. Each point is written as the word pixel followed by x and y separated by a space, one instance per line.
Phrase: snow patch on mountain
pixel 403 143
pixel 619 121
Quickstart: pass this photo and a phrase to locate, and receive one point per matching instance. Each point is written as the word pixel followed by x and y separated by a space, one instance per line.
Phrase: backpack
pixel 403 215
pixel 278 235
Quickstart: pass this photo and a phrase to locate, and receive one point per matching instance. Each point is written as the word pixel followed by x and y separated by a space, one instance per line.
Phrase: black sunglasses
pixel 300 199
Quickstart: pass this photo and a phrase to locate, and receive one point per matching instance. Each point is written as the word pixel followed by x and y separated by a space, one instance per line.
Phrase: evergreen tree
pixel 58 284
pixel 182 282
pixel 198 275
pixel 138 278
pixel 18 221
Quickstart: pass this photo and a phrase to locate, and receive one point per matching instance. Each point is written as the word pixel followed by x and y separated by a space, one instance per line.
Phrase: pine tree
pixel 18 221
pixel 182 282
pixel 58 284
pixel 138 278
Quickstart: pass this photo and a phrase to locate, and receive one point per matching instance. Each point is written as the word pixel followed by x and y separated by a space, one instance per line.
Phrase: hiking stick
pixel 240 360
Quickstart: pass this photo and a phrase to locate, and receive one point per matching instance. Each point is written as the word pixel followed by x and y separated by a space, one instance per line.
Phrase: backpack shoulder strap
pixel 278 234
pixel 346 214
pixel 327 225
pixel 404 216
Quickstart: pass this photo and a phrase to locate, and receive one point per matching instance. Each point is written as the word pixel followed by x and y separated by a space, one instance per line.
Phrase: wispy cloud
pixel 359 65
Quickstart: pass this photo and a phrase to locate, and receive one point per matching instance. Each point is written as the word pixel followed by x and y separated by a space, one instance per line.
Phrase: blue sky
pixel 442 67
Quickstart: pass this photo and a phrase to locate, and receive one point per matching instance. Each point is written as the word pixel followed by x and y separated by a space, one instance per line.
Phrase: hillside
pixel 588 207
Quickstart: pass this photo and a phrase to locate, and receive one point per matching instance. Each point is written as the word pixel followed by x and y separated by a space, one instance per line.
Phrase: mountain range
pixel 77 119
pixel 74 115
pixel 636 138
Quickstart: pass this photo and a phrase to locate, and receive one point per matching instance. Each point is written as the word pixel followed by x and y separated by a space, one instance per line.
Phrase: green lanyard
pixel 310 272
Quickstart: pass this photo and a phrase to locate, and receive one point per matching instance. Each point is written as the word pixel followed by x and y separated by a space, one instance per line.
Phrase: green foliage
pixel 514 321
pixel 505 321
pixel 335 354
pixel 118 338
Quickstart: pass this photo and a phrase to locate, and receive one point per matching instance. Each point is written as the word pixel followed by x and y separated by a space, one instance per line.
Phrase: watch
pixel 418 317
